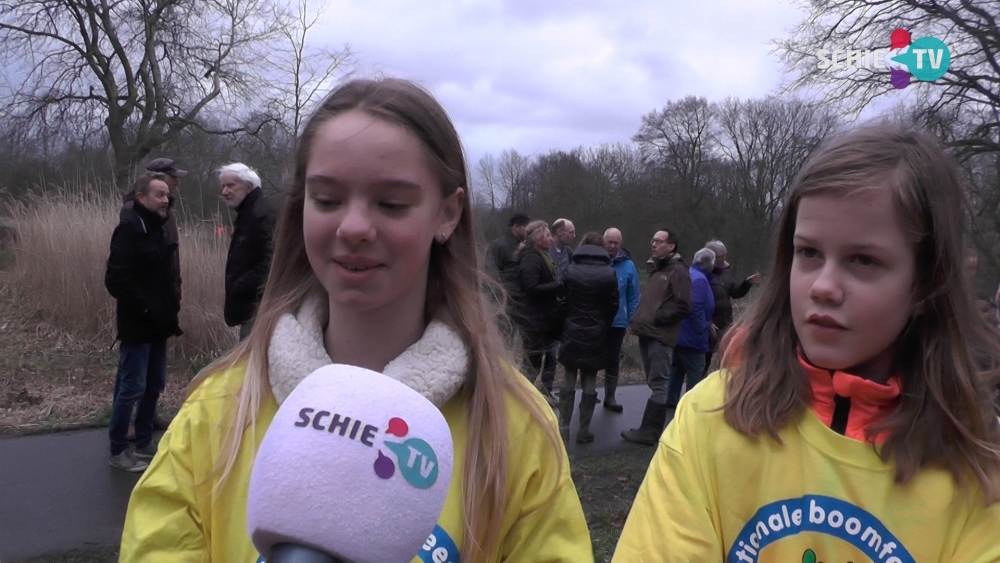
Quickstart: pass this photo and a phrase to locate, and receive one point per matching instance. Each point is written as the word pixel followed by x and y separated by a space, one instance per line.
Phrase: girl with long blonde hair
pixel 374 265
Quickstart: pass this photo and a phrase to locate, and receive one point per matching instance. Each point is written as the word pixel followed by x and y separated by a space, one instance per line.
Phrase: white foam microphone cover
pixel 355 464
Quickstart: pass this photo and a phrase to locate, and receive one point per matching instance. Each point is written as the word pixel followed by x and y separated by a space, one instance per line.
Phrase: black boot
pixel 587 403
pixel 565 412
pixel 649 431
pixel 610 386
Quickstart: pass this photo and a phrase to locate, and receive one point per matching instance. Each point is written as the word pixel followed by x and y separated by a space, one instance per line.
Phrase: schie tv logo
pixel 417 461
pixel 926 59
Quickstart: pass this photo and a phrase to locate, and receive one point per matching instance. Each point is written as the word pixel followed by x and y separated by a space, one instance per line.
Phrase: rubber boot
pixel 565 413
pixel 587 403
pixel 651 427
pixel 610 386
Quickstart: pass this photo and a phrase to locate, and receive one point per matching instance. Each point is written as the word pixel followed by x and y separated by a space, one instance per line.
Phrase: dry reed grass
pixel 60 253
pixel 57 321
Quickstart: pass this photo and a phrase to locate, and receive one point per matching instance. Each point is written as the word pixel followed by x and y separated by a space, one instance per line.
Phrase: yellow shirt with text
pixel 713 494
pixel 172 517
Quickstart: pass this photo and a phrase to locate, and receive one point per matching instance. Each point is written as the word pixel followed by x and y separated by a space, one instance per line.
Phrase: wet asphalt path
pixel 58 493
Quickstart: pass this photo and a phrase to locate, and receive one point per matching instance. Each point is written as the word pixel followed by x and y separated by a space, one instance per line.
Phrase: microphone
pixel 354 468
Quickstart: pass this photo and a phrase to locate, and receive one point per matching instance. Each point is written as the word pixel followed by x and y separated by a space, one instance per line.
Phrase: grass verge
pixel 607 485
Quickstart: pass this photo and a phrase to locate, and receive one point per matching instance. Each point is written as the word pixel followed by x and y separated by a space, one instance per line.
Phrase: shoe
pixel 160 423
pixel 146 452
pixel 126 461
pixel 649 431
pixel 610 386
pixel 587 403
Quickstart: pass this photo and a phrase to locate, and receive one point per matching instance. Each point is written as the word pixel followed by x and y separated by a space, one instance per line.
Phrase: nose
pixel 827 286
pixel 356 225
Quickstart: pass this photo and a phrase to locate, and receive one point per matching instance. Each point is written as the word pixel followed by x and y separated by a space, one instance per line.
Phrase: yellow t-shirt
pixel 713 494
pixel 172 516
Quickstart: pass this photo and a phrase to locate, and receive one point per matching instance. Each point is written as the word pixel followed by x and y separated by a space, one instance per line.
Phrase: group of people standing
pixel 575 307
pixel 143 275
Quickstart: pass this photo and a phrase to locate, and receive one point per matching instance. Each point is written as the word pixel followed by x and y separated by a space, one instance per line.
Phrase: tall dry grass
pixel 60 254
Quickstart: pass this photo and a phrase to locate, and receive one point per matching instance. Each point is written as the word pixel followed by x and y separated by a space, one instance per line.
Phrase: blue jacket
pixel 628 288
pixel 695 327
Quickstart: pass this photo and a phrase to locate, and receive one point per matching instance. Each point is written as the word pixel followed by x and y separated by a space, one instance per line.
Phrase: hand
pixel 713 330
pixel 754 279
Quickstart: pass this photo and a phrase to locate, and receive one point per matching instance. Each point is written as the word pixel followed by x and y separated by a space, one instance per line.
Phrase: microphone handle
pixel 292 553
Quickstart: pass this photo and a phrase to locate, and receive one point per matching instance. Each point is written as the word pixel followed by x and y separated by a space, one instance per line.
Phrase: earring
pixel 443 239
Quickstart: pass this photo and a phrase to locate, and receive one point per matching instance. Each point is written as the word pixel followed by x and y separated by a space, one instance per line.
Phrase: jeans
pixel 656 358
pixel 142 376
pixel 688 364
pixel 615 352
pixel 588 381
pixel 549 370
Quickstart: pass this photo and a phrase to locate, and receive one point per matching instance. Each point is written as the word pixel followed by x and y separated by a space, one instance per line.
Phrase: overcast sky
pixel 536 75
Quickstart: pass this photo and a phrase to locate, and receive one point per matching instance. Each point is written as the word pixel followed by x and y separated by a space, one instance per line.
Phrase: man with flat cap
pixel 172 176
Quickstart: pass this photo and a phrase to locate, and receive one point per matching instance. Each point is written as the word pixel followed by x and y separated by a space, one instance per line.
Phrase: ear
pixel 451 212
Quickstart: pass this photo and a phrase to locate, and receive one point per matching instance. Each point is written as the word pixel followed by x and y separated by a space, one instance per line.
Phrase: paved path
pixel 57 491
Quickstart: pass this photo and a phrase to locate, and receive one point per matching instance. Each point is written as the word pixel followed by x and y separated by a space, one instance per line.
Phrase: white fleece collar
pixel 434 366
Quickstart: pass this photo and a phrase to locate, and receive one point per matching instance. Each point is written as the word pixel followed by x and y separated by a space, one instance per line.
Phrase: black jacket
pixel 173 233
pixel 249 257
pixel 501 261
pixel 591 297
pixel 537 294
pixel 725 289
pixel 140 276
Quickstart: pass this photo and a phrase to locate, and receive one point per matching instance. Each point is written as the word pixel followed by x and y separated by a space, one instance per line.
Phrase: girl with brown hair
pixel 374 265
pixel 850 421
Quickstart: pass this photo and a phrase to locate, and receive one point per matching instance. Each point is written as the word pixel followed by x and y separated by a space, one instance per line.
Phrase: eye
pixel 393 206
pixel 807 252
pixel 325 202
pixel 866 261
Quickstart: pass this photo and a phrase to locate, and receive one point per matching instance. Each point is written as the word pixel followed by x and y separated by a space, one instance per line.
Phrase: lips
pixel 356 264
pixel 825 321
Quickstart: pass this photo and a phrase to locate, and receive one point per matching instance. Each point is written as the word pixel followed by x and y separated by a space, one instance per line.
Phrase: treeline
pixel 707 170
pixel 715 170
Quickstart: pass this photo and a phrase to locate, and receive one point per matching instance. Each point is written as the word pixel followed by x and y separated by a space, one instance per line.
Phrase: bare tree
pixel 141 70
pixel 512 168
pixel 680 137
pixel 766 142
pixel 309 70
pixel 491 186
pixel 969 28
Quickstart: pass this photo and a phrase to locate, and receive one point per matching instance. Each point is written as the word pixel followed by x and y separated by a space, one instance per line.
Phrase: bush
pixel 60 254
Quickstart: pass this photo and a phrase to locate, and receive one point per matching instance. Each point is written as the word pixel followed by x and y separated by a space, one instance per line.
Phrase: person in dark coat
pixel 724 290
pixel 663 305
pixel 500 264
pixel 538 314
pixel 590 294
pixel 139 276
pixel 249 255
pixel 173 176
pixel 501 256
